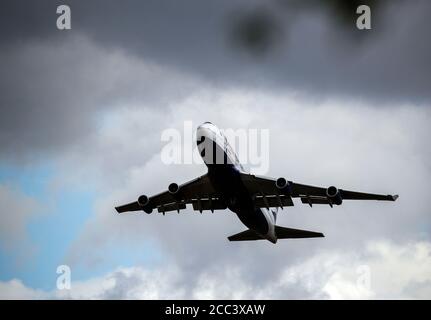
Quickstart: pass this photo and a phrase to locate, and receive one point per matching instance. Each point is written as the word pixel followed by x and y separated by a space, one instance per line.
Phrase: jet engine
pixel 144 202
pixel 283 185
pixel 334 195
pixel 173 188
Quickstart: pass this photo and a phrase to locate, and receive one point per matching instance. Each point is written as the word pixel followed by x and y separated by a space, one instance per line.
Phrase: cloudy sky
pixel 83 111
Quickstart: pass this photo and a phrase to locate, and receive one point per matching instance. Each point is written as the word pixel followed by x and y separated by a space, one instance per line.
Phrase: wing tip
pixel 395 197
pixel 118 209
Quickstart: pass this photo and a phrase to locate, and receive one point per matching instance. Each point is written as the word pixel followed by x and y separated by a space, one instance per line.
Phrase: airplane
pixel 254 199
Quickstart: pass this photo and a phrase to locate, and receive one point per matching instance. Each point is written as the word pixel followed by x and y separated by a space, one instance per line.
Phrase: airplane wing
pixel 317 195
pixel 198 192
pixel 279 191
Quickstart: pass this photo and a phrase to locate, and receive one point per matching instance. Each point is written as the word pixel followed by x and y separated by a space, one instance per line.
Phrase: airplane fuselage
pixel 224 173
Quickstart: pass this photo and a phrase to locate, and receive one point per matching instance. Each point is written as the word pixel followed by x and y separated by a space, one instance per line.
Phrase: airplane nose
pixel 205 130
pixel 203 124
pixel 204 127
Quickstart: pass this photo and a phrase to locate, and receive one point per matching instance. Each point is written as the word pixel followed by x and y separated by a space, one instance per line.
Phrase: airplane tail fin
pixel 274 213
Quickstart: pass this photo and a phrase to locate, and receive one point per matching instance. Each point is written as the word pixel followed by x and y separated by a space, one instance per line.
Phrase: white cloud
pixel 128 283
pixel 381 270
pixel 15 289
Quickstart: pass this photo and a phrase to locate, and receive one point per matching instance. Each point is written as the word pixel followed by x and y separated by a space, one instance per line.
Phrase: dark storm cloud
pixel 280 43
pixel 53 86
pixel 56 94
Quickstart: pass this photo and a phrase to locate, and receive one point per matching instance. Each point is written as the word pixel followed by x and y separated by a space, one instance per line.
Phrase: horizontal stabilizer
pixel 281 233
pixel 246 235
pixel 289 233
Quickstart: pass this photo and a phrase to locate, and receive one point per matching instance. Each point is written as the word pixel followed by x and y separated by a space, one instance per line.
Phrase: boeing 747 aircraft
pixel 254 199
